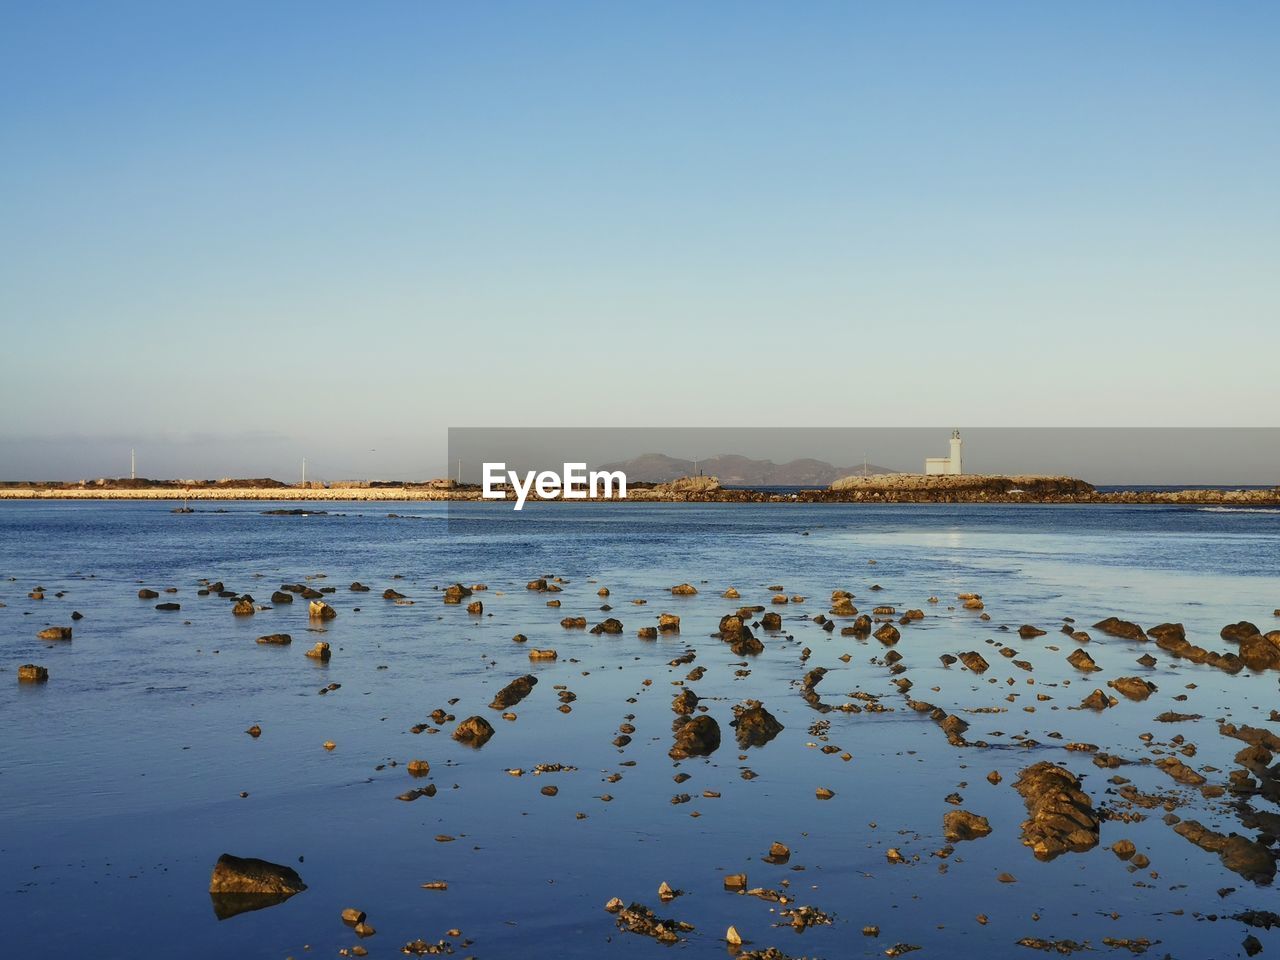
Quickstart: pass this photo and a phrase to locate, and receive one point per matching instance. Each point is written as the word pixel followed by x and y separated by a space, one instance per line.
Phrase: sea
pixel 126 775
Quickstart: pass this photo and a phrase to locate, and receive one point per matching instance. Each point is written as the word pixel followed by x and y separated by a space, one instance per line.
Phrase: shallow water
pixel 120 778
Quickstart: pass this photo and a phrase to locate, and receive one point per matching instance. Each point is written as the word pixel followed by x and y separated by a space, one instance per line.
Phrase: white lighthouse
pixel 952 465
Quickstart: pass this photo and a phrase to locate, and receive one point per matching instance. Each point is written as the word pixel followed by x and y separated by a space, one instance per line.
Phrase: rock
pixel 638 918
pixel 647 633
pixel 685 702
pixel 824 793
pixel 732 594
pixel 1097 701
pixel 513 692
pixel 1180 771
pixel 1028 632
pixel 733 937
pixel 54 633
pixel 390 594
pixel 255 731
pixel 358 587
pixel 276 639
pixel 475 608
pixel 1121 628
pixel 974 603
pixel 1135 688
pixel 1235 632
pixel 536 654
pixel 574 623
pixel 418 768
pixel 281 597
pixel 319 610
pixel 698 737
pixel 145 594
pixel 735 881
pixel 1061 815
pixel 610 626
pixel 1249 858
pixel 251 875
pixel 457 592
pixel 962 825
pixel 244 608
pixel 669 623
pixel 353 916
pixel 889 635
pixel 1081 660
pixel 754 726
pixel 169 606
pixel 474 732
pixel 320 652
pixel 1258 653
pixel 1124 849
pixel 32 673
pixel 684 590
pixel 974 661
pixel 771 621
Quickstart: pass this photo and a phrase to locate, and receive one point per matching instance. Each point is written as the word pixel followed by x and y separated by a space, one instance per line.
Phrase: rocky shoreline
pixel 892 488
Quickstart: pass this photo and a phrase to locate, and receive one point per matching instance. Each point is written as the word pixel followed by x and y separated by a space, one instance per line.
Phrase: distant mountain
pixel 738 471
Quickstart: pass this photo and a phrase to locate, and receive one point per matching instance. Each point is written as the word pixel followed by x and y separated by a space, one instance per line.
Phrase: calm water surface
pixel 120 779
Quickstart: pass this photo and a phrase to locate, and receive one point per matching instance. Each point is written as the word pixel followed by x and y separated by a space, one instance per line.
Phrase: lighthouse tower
pixel 952 465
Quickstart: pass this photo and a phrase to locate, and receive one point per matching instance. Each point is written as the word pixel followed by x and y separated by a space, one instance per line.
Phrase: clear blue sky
pixel 234 233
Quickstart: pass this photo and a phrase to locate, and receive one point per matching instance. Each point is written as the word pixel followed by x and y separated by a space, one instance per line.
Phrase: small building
pixel 952 465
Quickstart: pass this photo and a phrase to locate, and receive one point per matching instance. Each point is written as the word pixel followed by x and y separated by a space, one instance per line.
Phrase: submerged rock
pixel 975 661
pixel 54 633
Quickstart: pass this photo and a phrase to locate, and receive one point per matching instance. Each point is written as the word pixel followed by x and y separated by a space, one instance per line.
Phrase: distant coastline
pixel 883 488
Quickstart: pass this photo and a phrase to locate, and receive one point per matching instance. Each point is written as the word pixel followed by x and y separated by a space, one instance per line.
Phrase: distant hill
pixel 738 471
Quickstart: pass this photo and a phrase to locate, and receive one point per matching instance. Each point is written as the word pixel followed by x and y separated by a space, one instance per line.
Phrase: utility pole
pixel 304 471
pixel 459 470
pixel 133 465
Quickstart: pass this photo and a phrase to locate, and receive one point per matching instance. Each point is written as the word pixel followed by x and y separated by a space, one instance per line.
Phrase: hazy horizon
pixel 1103 456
